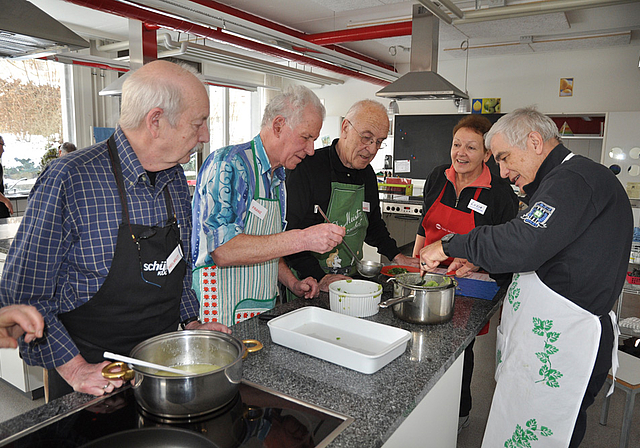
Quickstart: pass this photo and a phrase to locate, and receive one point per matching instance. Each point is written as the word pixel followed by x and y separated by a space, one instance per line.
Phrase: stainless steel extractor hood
pixel 27 31
pixel 423 82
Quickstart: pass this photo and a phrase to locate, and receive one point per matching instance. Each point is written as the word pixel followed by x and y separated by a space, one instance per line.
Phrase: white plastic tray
pixel 348 341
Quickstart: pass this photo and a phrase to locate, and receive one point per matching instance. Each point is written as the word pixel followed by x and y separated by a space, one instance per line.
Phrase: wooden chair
pixel 627 379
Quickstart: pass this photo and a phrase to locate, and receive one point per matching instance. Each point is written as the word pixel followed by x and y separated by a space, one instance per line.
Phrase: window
pixel 239 116
pixel 30 120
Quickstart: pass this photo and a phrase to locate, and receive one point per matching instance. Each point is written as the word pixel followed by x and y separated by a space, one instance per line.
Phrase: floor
pixel 13 402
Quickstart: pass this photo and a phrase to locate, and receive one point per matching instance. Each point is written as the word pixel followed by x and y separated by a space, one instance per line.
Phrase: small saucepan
pixel 219 356
pixel 419 300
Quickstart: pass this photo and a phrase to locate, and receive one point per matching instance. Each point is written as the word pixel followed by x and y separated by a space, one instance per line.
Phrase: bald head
pixel 365 127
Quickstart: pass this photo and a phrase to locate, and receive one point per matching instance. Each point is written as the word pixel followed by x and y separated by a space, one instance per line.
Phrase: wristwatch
pixel 445 243
pixel 186 322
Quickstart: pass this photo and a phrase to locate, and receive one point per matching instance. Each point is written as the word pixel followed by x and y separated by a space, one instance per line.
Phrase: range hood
pixel 422 82
pixel 26 31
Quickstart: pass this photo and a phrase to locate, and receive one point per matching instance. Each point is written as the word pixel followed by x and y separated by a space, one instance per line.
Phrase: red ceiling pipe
pixel 286 30
pixel 364 33
pixel 143 15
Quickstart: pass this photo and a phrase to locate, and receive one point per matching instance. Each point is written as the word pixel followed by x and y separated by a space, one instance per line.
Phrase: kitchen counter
pixel 379 402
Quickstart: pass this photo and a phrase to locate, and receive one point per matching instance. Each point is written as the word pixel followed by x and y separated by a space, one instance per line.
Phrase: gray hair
pixel 516 126
pixel 145 89
pixel 67 147
pixel 365 104
pixel 291 104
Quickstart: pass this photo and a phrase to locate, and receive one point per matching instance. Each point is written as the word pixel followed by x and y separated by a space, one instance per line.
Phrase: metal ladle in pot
pixel 365 268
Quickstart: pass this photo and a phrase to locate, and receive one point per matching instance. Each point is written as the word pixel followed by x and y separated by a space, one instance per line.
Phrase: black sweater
pixel 310 183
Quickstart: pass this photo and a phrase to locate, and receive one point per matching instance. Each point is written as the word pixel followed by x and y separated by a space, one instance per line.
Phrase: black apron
pixel 139 299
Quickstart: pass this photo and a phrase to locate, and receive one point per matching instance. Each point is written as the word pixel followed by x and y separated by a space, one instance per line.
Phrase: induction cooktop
pixel 256 417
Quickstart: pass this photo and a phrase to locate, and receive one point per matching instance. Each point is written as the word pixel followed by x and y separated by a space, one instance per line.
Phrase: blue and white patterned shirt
pixel 224 191
pixel 62 252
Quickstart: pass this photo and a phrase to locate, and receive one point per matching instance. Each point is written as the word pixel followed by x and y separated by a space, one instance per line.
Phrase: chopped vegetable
pixel 396 271
pixel 431 283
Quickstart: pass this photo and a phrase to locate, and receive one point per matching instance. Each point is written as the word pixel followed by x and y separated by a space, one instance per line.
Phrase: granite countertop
pixel 379 402
pixel 8 229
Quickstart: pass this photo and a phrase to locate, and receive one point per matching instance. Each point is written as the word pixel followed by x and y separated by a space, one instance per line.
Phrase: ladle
pixel 365 268
pixel 142 363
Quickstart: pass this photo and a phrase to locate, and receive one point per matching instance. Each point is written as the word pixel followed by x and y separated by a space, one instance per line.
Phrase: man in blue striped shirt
pixel 103 248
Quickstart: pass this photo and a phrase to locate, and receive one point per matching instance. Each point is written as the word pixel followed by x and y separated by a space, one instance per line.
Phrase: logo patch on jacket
pixel 538 215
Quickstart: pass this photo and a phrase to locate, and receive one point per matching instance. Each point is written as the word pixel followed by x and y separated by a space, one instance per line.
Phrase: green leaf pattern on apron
pixel 514 292
pixel 542 328
pixel 522 437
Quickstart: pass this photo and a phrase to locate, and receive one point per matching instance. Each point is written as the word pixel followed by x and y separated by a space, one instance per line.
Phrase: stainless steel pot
pixel 192 394
pixel 422 304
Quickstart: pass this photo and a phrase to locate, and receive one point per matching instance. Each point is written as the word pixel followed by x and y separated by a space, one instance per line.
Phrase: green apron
pixel 346 210
pixel 229 295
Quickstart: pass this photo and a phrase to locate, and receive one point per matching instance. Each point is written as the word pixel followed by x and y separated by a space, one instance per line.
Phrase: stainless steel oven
pixel 402 215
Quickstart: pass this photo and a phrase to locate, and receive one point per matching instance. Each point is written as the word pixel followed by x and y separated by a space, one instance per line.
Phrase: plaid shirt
pixel 62 252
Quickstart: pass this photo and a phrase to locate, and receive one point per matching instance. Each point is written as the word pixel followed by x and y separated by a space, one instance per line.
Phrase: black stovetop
pixel 256 417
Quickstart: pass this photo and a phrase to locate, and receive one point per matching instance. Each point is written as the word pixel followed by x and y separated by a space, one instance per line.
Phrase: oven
pixel 402 215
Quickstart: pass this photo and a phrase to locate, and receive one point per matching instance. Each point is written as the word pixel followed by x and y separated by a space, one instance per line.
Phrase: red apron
pixel 441 220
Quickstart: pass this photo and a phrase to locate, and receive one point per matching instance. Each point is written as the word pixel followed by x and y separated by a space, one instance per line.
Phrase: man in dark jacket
pixel 340 179
pixel 555 340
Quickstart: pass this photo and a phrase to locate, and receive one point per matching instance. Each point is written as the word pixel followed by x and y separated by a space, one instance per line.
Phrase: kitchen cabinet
pixel 19 205
pixel 15 371
pixel 586 138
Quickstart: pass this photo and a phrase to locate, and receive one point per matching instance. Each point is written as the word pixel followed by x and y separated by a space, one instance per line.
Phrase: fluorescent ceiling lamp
pixel 197 52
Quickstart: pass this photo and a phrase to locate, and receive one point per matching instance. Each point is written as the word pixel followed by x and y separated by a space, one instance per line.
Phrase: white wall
pixel 604 80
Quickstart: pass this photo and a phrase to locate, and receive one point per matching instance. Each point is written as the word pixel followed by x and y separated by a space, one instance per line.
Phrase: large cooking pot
pixel 192 394
pixel 417 303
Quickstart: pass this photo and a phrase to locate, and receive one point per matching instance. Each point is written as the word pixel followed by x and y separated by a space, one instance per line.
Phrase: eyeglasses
pixel 368 140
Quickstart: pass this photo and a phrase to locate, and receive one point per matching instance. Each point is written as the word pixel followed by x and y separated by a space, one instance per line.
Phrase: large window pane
pixel 30 119
pixel 239 116
pixel 216 117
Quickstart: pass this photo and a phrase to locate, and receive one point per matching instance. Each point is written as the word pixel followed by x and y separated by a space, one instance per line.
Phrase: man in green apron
pixel 569 249
pixel 239 214
pixel 340 179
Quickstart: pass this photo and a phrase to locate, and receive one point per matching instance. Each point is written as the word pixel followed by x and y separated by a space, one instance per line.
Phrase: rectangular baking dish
pixel 348 341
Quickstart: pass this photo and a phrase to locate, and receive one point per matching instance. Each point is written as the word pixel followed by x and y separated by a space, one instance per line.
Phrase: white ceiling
pixel 578 28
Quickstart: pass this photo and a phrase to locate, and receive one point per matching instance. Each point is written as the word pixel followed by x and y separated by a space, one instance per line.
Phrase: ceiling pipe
pixel 132 12
pixel 481 15
pixel 436 11
pixel 286 30
pixel 363 33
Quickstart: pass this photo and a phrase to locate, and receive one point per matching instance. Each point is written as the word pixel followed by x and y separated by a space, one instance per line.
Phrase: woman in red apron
pixel 458 198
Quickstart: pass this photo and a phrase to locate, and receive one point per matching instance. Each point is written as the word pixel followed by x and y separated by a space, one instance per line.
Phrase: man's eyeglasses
pixel 366 140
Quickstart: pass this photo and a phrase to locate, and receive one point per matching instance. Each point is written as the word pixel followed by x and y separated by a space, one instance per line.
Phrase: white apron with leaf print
pixel 546 348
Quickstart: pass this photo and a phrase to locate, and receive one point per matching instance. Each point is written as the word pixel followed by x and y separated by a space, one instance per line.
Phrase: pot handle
pixel 391 302
pixel 251 346
pixel 124 374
